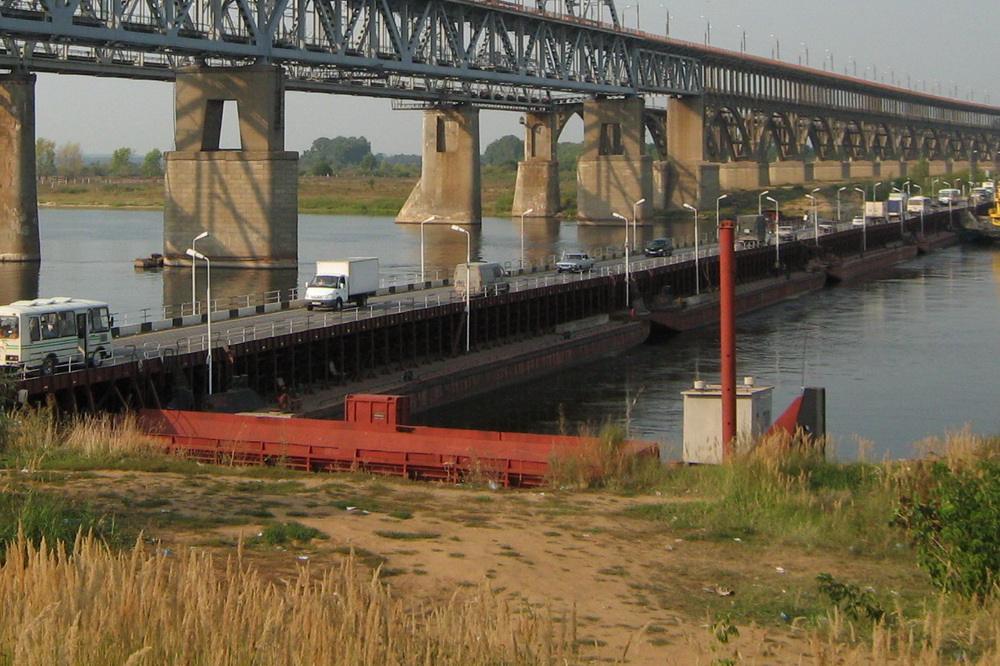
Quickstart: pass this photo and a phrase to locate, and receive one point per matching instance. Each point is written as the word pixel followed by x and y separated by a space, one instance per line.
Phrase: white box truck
pixel 340 282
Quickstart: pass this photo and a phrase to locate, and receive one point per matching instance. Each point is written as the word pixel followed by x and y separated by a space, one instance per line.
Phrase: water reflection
pixel 19 281
pixel 228 284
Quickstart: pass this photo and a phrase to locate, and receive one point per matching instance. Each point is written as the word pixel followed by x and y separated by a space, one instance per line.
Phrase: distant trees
pixel 152 164
pixel 121 162
pixel 506 151
pixel 67 161
pixel 327 155
pixel 45 157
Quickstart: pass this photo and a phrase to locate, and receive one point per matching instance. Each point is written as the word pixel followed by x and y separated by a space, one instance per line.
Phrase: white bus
pixel 49 332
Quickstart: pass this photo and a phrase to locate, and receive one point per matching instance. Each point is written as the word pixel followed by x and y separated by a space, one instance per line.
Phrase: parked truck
pixel 876 211
pixel 344 281
pixel 751 230
pixel 895 207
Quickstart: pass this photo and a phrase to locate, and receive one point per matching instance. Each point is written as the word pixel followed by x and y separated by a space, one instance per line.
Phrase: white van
pixel 482 279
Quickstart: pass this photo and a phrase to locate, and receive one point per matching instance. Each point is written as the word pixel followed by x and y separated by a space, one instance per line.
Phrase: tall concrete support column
pixel 247 199
pixel 612 172
pixel 18 191
pixel 449 186
pixel 537 187
pixel 692 180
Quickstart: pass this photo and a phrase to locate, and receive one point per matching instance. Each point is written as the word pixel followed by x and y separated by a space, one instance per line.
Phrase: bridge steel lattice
pixel 755 106
pixel 429 50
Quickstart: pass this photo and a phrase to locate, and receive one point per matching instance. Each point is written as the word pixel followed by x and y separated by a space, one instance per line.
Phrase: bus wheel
pixel 339 305
pixel 49 366
pixel 97 357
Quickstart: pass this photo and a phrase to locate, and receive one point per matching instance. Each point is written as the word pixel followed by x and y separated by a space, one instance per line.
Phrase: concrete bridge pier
pixel 537 187
pixel 831 170
pixel 449 185
pixel 692 180
pixel 789 172
pixel 18 191
pixel 612 172
pixel 743 176
pixel 247 199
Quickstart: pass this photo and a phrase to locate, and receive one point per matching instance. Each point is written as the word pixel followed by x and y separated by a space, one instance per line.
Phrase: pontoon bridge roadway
pixel 296 348
pixel 714 115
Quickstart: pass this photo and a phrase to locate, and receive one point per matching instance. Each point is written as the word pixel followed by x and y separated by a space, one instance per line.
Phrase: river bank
pixel 333 195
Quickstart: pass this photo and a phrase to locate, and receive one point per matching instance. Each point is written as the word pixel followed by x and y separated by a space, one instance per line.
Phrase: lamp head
pixel 690 207
pixel 430 219
pixel 203 234
pixel 455 227
pixel 620 217
pixel 195 254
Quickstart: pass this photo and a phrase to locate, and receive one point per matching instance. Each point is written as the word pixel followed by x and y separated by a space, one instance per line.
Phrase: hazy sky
pixel 920 44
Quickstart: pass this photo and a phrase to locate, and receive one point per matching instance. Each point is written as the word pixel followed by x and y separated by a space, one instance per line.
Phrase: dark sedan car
pixel 659 247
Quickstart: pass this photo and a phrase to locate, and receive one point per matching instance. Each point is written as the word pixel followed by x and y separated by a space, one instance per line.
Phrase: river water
pixel 907 356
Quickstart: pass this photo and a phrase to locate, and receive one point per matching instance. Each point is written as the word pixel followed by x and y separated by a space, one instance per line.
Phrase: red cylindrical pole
pixel 727 286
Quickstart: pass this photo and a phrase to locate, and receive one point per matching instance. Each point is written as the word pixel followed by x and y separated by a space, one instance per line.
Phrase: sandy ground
pixel 640 594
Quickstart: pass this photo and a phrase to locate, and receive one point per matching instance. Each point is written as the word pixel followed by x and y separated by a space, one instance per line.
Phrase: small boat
pixel 154 260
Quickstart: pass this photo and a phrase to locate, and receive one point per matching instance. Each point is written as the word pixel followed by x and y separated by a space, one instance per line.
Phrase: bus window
pixel 65 324
pixel 50 326
pixel 34 330
pixel 99 320
pixel 8 327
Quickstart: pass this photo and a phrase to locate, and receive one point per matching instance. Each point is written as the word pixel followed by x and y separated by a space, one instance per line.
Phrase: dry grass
pixel 137 607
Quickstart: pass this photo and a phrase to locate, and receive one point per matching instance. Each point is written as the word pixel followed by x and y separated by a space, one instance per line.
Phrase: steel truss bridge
pixel 500 54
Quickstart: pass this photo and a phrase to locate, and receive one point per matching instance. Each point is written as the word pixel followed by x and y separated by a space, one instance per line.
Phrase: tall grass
pixel 603 461
pixel 100 607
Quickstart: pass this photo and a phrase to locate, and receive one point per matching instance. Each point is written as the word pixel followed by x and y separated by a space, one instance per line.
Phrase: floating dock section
pixel 415 452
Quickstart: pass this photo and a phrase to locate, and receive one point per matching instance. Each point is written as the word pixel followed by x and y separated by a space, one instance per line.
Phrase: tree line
pixel 342 155
pixel 66 161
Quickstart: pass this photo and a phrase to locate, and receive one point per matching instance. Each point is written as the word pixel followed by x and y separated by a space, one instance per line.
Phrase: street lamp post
pixel 708 31
pixel 429 219
pixel 635 218
pixel 717 202
pixel 697 276
pixel 923 204
pixel 666 31
pixel 760 205
pixel 874 190
pixel 625 220
pixel 815 217
pixel 530 210
pixel 864 221
pixel 194 254
pixel 194 294
pixel 468 295
pixel 838 203
pixel 777 233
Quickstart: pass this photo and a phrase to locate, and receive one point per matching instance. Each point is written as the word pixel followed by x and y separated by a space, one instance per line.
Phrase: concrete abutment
pixel 537 187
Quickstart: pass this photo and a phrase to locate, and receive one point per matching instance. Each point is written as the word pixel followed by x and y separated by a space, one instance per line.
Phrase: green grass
pixel 277 534
pixel 406 536
pixel 41 515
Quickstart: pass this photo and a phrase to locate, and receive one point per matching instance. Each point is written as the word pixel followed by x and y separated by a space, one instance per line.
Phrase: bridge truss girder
pixel 743 130
pixel 429 50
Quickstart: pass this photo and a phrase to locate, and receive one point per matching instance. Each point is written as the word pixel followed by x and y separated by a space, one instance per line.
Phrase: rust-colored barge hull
pixel 870 262
pixel 415 452
pixel 747 299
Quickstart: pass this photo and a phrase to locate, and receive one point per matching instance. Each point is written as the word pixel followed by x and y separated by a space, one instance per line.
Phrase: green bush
pixel 277 534
pixel 952 517
pixel 40 516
